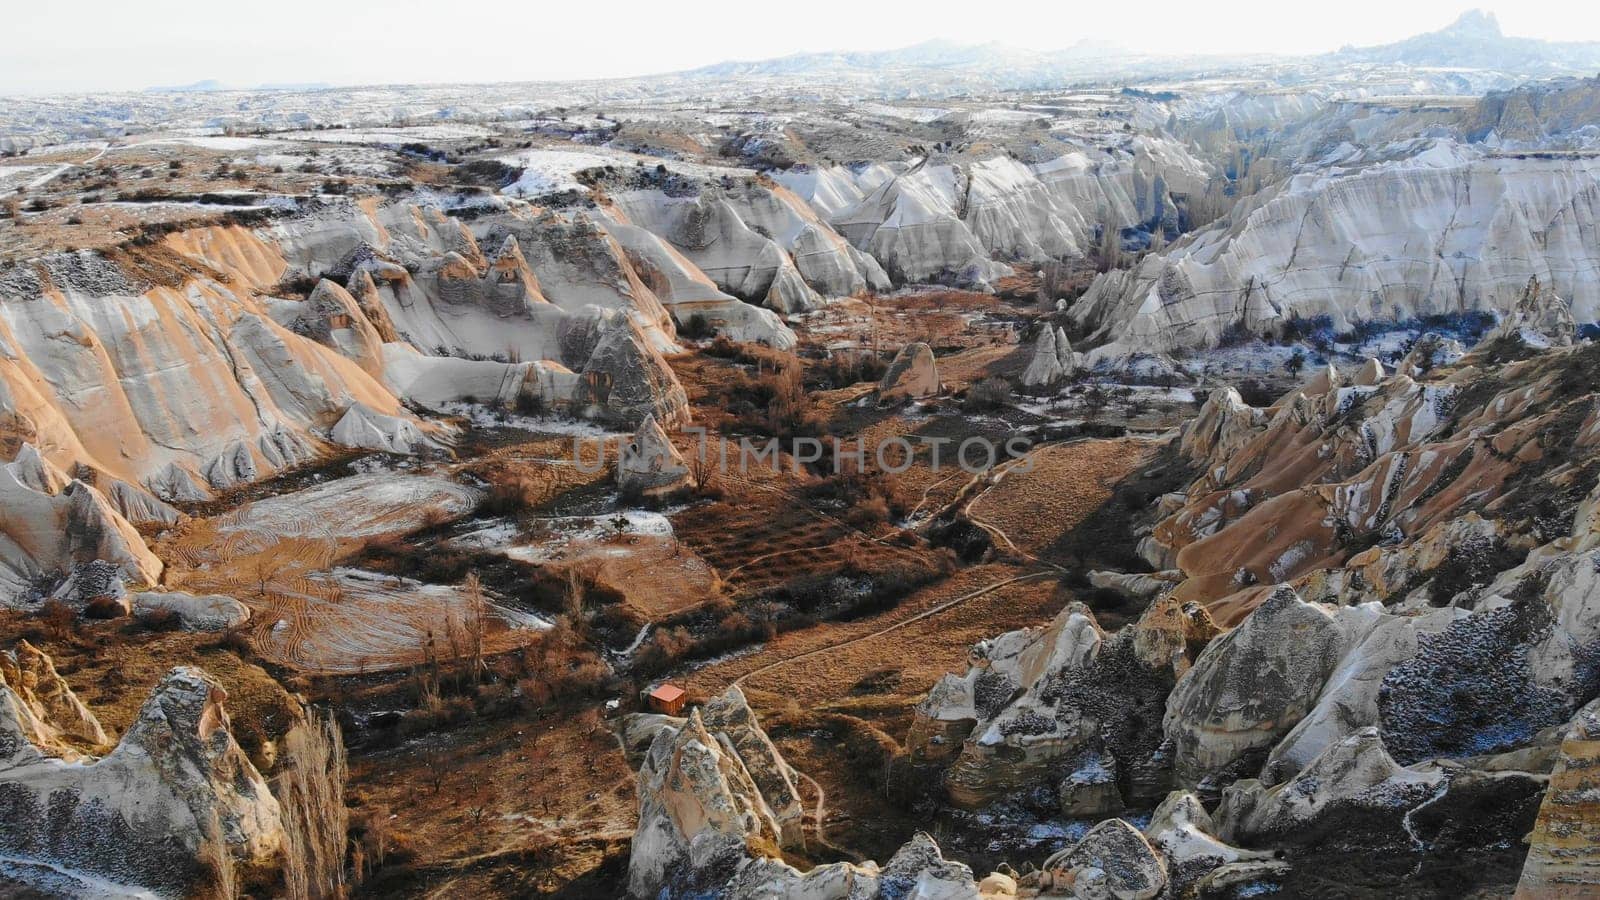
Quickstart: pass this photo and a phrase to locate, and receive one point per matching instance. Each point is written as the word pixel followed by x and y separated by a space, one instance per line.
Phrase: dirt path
pixel 925 614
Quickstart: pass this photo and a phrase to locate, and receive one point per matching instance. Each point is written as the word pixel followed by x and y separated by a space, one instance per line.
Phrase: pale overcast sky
pixel 132 44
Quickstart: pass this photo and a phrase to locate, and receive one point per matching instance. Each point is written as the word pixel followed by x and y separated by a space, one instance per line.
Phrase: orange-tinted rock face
pixel 1334 475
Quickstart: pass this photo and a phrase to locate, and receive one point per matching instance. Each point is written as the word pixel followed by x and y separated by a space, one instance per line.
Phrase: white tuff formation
pixel 175 794
pixel 649 466
pixel 1334 242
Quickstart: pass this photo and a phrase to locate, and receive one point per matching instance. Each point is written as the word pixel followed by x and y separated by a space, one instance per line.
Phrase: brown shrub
pixel 159 619
pixel 986 395
pixel 57 619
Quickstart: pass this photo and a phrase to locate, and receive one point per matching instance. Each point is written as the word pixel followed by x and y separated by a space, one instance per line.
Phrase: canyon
pixel 567 490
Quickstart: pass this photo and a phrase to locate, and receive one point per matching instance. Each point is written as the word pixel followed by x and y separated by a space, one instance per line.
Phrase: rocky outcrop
pixel 918 869
pixel 43 710
pixel 689 294
pixel 1065 705
pixel 716 798
pixel 1539 320
pixel 911 376
pixel 195 385
pixel 1182 831
pixel 1356 772
pixel 948 221
pixel 624 381
pixel 366 429
pixel 333 318
pixel 51 525
pixel 1327 243
pixel 1246 690
pixel 729 716
pixel 649 466
pixel 703 798
pixel 176 796
pixel 1562 851
pixel 1430 351
pixel 758 242
pixel 195 612
pixel 1225 424
pixel 1136 586
pixel 1045 368
pixel 1113 860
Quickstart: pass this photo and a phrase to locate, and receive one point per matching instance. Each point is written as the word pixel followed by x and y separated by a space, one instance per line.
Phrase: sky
pixel 109 45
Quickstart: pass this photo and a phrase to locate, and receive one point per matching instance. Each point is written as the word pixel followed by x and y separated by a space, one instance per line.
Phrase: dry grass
pixel 498 788
pixel 1066 485
pixel 113 671
pixel 823 708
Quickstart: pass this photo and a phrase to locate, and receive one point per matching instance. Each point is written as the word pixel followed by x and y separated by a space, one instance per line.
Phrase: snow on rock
pixel 367 504
pixel 1356 771
pixel 1115 858
pixel 1182 830
pixel 1433 228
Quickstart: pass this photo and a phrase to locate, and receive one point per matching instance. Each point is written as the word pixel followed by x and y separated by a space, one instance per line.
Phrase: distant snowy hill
pixel 1475 41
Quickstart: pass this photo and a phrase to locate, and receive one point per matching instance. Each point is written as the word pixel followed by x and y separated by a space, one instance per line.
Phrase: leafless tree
pixel 476 613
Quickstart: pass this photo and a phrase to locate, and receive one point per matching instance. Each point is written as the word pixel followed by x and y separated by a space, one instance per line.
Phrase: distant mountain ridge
pixel 212 86
pixel 1475 41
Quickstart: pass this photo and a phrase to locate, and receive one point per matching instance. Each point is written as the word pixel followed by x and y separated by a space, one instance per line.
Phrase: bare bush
pixel 57 619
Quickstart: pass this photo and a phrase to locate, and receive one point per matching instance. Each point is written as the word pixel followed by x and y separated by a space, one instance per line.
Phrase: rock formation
pixel 43 709
pixel 367 429
pixel 1045 368
pixel 911 376
pixel 1562 849
pixel 1539 320
pixel 333 318
pixel 1325 244
pixel 947 221
pixel 1356 771
pixel 1113 860
pixel 1064 705
pixel 689 294
pixel 1182 831
pixel 1244 693
pixel 703 796
pixel 759 243
pixel 158 812
pixel 649 466
pixel 716 799
pixel 204 612
pixel 51 526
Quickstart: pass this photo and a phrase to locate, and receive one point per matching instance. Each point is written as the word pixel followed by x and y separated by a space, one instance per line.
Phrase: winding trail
pixel 925 614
